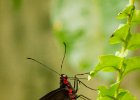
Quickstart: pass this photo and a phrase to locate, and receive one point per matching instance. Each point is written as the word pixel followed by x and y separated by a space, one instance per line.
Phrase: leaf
pixel 121 94
pixel 136 16
pixel 132 64
pixel 134 42
pixel 104 98
pixel 125 95
pixel 107 63
pixel 120 34
pixel 126 12
pixel 109 92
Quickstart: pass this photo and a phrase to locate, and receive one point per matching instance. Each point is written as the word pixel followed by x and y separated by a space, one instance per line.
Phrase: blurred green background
pixel 37 28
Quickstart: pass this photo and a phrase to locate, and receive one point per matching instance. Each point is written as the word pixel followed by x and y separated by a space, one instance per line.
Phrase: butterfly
pixel 66 91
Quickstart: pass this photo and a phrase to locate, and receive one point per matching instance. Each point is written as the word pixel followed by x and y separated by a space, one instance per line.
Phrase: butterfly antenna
pixel 45 66
pixel 64 55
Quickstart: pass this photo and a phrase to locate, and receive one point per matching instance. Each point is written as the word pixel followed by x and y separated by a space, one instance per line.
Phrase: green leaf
pixel 136 16
pixel 132 64
pixel 104 98
pixel 134 42
pixel 121 94
pixel 107 63
pixel 126 12
pixel 109 92
pixel 120 34
pixel 125 95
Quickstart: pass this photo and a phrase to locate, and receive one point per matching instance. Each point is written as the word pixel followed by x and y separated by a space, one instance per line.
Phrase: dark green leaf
pixel 132 64
pixel 120 34
pixel 134 42
pixel 126 12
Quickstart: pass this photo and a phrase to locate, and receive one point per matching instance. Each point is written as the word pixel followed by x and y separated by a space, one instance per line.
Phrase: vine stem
pixel 120 73
pixel 131 2
pixel 119 77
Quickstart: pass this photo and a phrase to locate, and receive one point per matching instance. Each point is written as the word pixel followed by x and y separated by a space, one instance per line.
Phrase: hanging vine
pixel 120 62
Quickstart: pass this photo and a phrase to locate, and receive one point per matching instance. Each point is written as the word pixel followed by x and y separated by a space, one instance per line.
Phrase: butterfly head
pixel 64 80
pixel 63 76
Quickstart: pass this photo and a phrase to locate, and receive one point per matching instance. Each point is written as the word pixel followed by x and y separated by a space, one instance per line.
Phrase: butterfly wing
pixel 58 94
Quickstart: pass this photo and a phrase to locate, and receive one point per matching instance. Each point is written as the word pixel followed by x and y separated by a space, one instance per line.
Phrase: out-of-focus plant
pixel 119 62
pixel 81 24
pixel 73 23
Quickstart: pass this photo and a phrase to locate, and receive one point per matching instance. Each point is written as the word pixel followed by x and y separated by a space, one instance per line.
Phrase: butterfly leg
pixel 77 81
pixel 86 85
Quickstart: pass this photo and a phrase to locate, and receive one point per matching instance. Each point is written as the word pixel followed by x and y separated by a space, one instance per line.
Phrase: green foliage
pixel 110 66
pixel 120 63
pixel 120 34
pixel 136 16
pixel 131 64
pixel 126 12
pixel 125 95
pixel 134 42
pixel 108 92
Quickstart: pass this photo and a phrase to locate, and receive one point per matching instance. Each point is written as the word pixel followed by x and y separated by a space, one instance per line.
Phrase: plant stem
pixel 131 2
pixel 120 73
pixel 119 77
